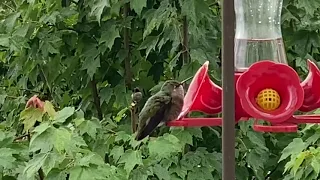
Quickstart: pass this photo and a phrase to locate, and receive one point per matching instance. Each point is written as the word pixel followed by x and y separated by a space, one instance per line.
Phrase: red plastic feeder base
pixel 279 128
pixel 196 122
pixel 302 119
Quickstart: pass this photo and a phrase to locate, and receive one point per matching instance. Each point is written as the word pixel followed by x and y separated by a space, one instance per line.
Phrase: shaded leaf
pixel 138 5
pixel 109 36
pixel 98 7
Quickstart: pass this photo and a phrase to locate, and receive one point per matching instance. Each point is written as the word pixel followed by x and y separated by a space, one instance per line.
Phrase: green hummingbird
pixel 162 107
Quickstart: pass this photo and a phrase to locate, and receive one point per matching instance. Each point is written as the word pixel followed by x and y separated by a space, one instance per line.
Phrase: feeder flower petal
pixel 311 88
pixel 279 79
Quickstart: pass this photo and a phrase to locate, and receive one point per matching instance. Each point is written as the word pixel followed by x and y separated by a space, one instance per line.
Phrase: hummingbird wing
pixel 152 114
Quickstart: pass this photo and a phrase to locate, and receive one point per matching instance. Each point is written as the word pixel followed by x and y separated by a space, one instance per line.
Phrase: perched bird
pixel 162 107
pixel 136 95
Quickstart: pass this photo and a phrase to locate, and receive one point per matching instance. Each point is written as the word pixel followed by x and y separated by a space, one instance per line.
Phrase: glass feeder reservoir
pixel 258 32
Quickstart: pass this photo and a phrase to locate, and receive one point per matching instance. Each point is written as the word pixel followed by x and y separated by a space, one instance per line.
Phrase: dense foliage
pixel 85 56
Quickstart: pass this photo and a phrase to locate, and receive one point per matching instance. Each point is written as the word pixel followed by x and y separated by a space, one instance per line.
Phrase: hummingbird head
pixel 171 85
pixel 136 95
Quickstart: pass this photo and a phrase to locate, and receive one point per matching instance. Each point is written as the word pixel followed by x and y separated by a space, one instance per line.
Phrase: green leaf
pixel 42 139
pixel 6 157
pixel 98 7
pixel 4 40
pixel 35 164
pixel 183 135
pixel 2 98
pixel 256 159
pixel 51 161
pixel 121 135
pixel 294 148
pixel 56 174
pixel 161 172
pixel 257 138
pixel 298 162
pixel 315 163
pixel 30 116
pixel 105 95
pixel 309 6
pixel 164 146
pixel 189 70
pixel 138 5
pixel 89 159
pixel 88 126
pixel 62 115
pixel 131 158
pixel 48 108
pixel 80 173
pixel 200 173
pixel 121 114
pixel 117 152
pixel 108 36
pixel 149 43
pixel 11 20
pixel 61 139
pixel 139 173
pixel 92 60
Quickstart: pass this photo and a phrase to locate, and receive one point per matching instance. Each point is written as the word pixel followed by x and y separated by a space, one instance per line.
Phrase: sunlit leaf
pixel 30 116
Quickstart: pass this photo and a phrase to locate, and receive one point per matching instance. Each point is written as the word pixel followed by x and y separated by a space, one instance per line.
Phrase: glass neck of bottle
pixel 258 19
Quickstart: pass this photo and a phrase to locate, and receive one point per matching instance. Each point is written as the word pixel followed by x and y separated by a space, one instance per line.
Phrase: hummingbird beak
pixel 182 82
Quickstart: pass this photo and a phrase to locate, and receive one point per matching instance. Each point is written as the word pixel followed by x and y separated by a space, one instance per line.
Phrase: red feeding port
pixel 311 87
pixel 279 77
pixel 203 96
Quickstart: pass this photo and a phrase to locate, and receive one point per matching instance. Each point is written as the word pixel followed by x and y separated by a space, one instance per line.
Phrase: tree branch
pixel 96 98
pixel 185 44
pixel 126 38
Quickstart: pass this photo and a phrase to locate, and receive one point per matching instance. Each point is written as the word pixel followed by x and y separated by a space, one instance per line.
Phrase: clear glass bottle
pixel 258 32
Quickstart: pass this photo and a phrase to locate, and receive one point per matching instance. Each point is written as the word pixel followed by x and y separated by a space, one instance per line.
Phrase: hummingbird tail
pixel 147 130
pixel 152 124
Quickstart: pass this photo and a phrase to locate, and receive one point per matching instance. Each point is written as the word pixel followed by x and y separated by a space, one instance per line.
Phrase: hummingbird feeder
pixel 267 88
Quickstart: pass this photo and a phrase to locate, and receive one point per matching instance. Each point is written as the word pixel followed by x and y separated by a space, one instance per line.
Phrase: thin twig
pixel 46 82
pixel 11 8
pixel 21 137
pixel 96 98
pixel 185 45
